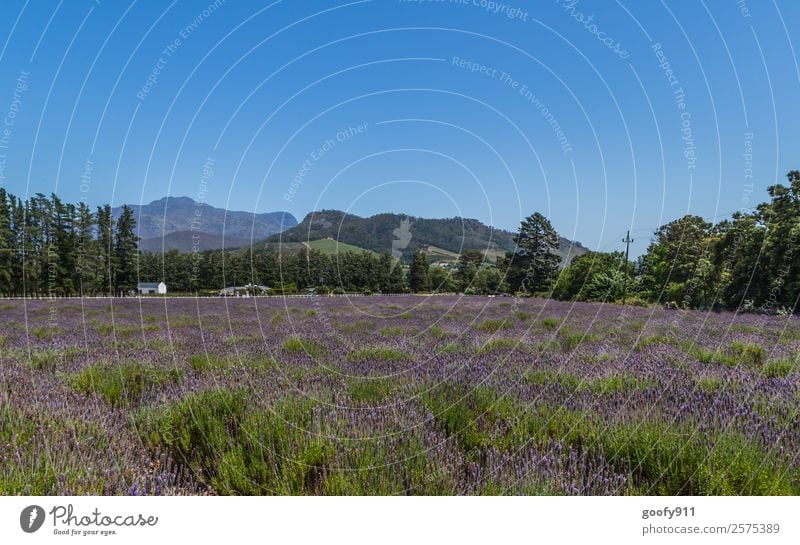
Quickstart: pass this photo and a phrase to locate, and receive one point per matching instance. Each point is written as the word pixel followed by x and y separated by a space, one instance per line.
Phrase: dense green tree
pixel 62 266
pixel 88 251
pixel 593 276
pixel 6 246
pixel 126 252
pixel 534 266
pixel 781 249
pixel 418 274
pixel 18 245
pixel 467 268
pixel 390 273
pixel 672 260
pixel 441 281
pixel 106 261
pixel 489 281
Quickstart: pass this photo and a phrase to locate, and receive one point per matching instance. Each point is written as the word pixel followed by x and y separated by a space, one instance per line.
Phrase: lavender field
pixel 405 395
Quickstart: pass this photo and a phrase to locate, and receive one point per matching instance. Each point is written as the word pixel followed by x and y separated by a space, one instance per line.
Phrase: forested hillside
pixel 377 233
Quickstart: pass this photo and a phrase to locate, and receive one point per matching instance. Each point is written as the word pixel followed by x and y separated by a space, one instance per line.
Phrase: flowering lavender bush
pixel 394 395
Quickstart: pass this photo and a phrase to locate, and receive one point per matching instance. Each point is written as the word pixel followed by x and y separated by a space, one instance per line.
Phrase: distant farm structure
pixel 244 291
pixel 152 288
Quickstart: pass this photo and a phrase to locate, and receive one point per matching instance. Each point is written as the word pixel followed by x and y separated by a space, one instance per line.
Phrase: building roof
pixel 231 289
pixel 149 285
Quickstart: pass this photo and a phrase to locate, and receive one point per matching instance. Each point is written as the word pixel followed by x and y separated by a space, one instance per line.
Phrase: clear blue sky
pixel 125 102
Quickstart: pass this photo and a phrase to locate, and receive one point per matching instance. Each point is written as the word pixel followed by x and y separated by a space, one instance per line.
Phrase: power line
pixel 628 241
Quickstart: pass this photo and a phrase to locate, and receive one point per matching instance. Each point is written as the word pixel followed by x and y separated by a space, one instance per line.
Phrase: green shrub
pixel 44 333
pixel 359 326
pixel 208 362
pixel 277 318
pixel 452 348
pixel 780 368
pixel 566 380
pixel 122 384
pixel 789 335
pixel 549 346
pixel 296 345
pixel 369 390
pixel 551 323
pixel 493 326
pixel 571 340
pixel 44 360
pixel 667 459
pixel 739 353
pixel 616 383
pixel 238 449
pixel 704 355
pixel 674 460
pixel 466 415
pixel 711 384
pixel 748 353
pixel 33 472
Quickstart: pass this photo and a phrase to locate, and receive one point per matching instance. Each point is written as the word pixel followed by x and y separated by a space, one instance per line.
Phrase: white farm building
pixel 152 288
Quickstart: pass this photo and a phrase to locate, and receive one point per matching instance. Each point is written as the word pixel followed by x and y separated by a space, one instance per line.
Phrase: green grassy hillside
pixel 331 247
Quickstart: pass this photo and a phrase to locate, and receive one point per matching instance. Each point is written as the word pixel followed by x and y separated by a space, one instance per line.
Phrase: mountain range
pixel 402 235
pixel 181 223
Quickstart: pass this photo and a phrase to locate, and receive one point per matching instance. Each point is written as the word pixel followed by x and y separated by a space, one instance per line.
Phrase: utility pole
pixel 628 241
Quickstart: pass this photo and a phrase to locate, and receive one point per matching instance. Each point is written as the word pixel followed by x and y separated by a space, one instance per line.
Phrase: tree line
pixel 750 261
pixel 49 248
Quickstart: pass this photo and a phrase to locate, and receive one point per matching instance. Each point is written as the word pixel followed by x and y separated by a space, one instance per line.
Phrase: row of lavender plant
pixel 407 395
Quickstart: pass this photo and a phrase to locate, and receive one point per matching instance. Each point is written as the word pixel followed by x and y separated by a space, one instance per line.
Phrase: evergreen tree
pixel 62 260
pixel 467 268
pixel 418 276
pixel 392 279
pixel 36 246
pixel 106 264
pixel 125 252
pixel 534 266
pixel 6 246
pixel 87 251
pixel 18 243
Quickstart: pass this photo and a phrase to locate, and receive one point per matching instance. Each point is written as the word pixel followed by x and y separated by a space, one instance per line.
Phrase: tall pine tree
pixel 534 266
pixel 106 264
pixel 126 252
